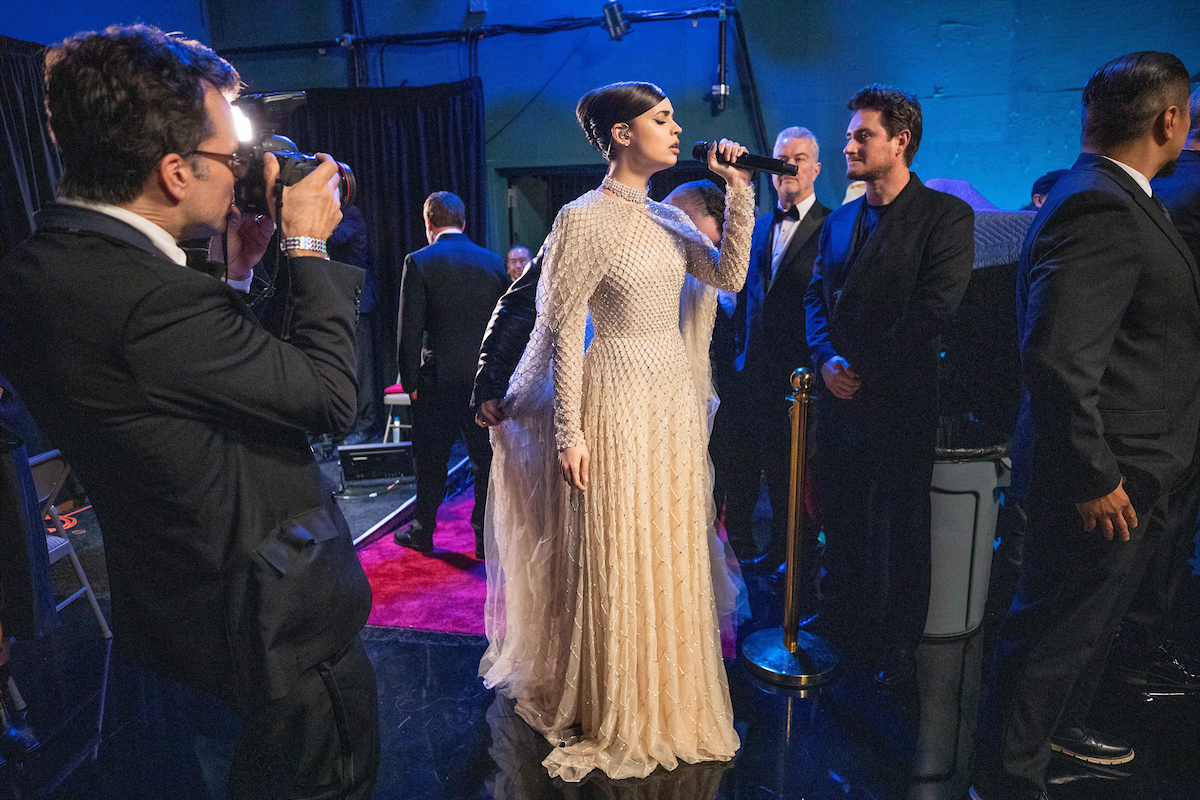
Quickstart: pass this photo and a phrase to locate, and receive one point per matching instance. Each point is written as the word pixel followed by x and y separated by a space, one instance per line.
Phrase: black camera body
pixel 266 113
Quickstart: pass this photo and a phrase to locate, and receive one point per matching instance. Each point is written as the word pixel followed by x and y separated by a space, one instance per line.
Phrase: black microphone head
pixel 700 150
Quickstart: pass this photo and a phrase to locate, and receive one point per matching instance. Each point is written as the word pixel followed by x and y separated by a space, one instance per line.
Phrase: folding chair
pixel 395 399
pixel 50 471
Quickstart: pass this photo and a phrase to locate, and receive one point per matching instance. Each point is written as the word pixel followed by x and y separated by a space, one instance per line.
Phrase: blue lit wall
pixel 999 81
pixel 49 21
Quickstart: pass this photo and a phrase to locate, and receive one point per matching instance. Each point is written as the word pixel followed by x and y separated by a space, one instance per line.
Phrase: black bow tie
pixel 791 213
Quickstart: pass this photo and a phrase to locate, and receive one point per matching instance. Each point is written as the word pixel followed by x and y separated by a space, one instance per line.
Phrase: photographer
pixel 231 568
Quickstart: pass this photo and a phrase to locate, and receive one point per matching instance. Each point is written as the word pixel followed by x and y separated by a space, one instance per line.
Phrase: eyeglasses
pixel 237 165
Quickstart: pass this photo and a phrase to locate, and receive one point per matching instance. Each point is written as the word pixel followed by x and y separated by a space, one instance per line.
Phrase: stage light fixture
pixel 614 21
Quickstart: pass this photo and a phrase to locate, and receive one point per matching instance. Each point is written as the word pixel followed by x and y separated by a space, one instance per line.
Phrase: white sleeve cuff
pixel 242 286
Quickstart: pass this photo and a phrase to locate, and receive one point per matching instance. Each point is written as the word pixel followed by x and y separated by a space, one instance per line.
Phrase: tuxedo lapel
pixel 804 231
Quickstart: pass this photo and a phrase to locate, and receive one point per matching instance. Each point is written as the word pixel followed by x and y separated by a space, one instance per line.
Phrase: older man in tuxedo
pixel 1108 314
pixel 751 432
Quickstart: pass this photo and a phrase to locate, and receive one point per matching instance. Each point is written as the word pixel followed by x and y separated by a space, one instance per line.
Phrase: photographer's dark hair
pixel 445 210
pixel 1124 97
pixel 900 111
pixel 122 100
pixel 600 109
pixel 708 197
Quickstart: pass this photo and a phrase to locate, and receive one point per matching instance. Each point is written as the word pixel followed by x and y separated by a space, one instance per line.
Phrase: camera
pixel 260 116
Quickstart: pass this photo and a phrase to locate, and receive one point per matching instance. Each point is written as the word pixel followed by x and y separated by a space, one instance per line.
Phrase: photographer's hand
pixel 310 208
pixel 249 237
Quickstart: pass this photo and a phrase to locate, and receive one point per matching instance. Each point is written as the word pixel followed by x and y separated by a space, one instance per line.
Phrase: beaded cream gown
pixel 604 606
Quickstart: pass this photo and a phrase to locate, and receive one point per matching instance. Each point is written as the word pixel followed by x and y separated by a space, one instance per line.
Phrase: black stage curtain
pixel 29 165
pixel 403 143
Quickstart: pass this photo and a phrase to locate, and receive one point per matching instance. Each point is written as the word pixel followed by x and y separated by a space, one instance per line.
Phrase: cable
pixel 538 93
pixel 467 35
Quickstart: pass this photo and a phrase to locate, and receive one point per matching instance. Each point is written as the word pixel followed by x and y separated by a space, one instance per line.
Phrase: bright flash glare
pixel 241 124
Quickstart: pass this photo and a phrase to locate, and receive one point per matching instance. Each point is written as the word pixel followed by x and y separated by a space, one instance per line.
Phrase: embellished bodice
pixel 624 257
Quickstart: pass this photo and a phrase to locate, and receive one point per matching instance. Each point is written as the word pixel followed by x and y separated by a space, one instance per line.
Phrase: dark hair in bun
pixel 600 109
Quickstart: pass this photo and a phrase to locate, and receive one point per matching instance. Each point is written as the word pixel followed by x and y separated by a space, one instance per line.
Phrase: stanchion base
pixel 814 663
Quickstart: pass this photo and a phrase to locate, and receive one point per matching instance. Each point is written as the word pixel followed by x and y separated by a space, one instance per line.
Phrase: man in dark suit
pixel 752 432
pixel 1108 315
pixel 447 294
pixel 1144 655
pixel 893 266
pixel 231 567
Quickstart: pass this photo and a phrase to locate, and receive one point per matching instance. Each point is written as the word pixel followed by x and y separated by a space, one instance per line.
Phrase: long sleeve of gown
pixel 570 271
pixel 726 268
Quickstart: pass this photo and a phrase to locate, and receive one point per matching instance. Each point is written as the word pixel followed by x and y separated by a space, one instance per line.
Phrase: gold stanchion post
pixel 788 656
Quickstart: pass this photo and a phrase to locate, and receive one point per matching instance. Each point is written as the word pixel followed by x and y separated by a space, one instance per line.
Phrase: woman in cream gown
pixel 606 585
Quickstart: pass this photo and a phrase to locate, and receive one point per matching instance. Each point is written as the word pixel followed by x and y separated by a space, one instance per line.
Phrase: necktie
pixel 792 213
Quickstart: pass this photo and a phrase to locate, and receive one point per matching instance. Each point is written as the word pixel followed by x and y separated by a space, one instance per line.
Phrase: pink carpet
pixel 442 591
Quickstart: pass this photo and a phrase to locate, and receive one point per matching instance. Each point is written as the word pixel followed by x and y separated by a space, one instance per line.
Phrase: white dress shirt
pixel 784 231
pixel 1141 179
pixel 157 235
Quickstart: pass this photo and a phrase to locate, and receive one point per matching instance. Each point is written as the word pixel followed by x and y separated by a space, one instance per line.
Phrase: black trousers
pixel 1146 624
pixel 1052 648
pixel 320 742
pixel 439 417
pixel 874 472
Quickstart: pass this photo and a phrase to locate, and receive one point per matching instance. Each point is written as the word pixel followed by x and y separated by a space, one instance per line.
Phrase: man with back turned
pixel 1108 315
pixel 447 294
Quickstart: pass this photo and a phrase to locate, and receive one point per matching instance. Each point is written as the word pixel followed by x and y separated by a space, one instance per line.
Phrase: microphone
pixel 747 161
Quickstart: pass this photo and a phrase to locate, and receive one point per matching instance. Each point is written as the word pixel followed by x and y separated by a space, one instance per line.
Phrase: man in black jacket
pixel 231 568
pixel 1144 654
pixel 447 294
pixel 893 266
pixel 752 434
pixel 1108 314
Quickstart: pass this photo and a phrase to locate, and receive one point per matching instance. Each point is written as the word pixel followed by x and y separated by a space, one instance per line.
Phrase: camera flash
pixel 241 124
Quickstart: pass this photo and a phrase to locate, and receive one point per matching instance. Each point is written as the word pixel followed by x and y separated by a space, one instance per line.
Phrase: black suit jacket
pixel 769 319
pixel 1108 314
pixel 447 294
pixel 1180 193
pixel 231 567
pixel 507 335
pixel 884 311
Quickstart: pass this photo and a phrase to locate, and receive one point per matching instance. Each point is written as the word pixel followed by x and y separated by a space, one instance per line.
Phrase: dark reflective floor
pixel 445 736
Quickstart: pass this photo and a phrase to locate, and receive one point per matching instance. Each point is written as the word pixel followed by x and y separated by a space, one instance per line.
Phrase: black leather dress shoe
pixel 416 536
pixel 1168 667
pixel 1090 746
pixel 479 554
pixel 896 669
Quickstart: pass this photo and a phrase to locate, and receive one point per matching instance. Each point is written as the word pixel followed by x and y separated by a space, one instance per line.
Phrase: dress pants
pixel 320 741
pixel 874 473
pixel 440 416
pixel 1146 624
pixel 1052 648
